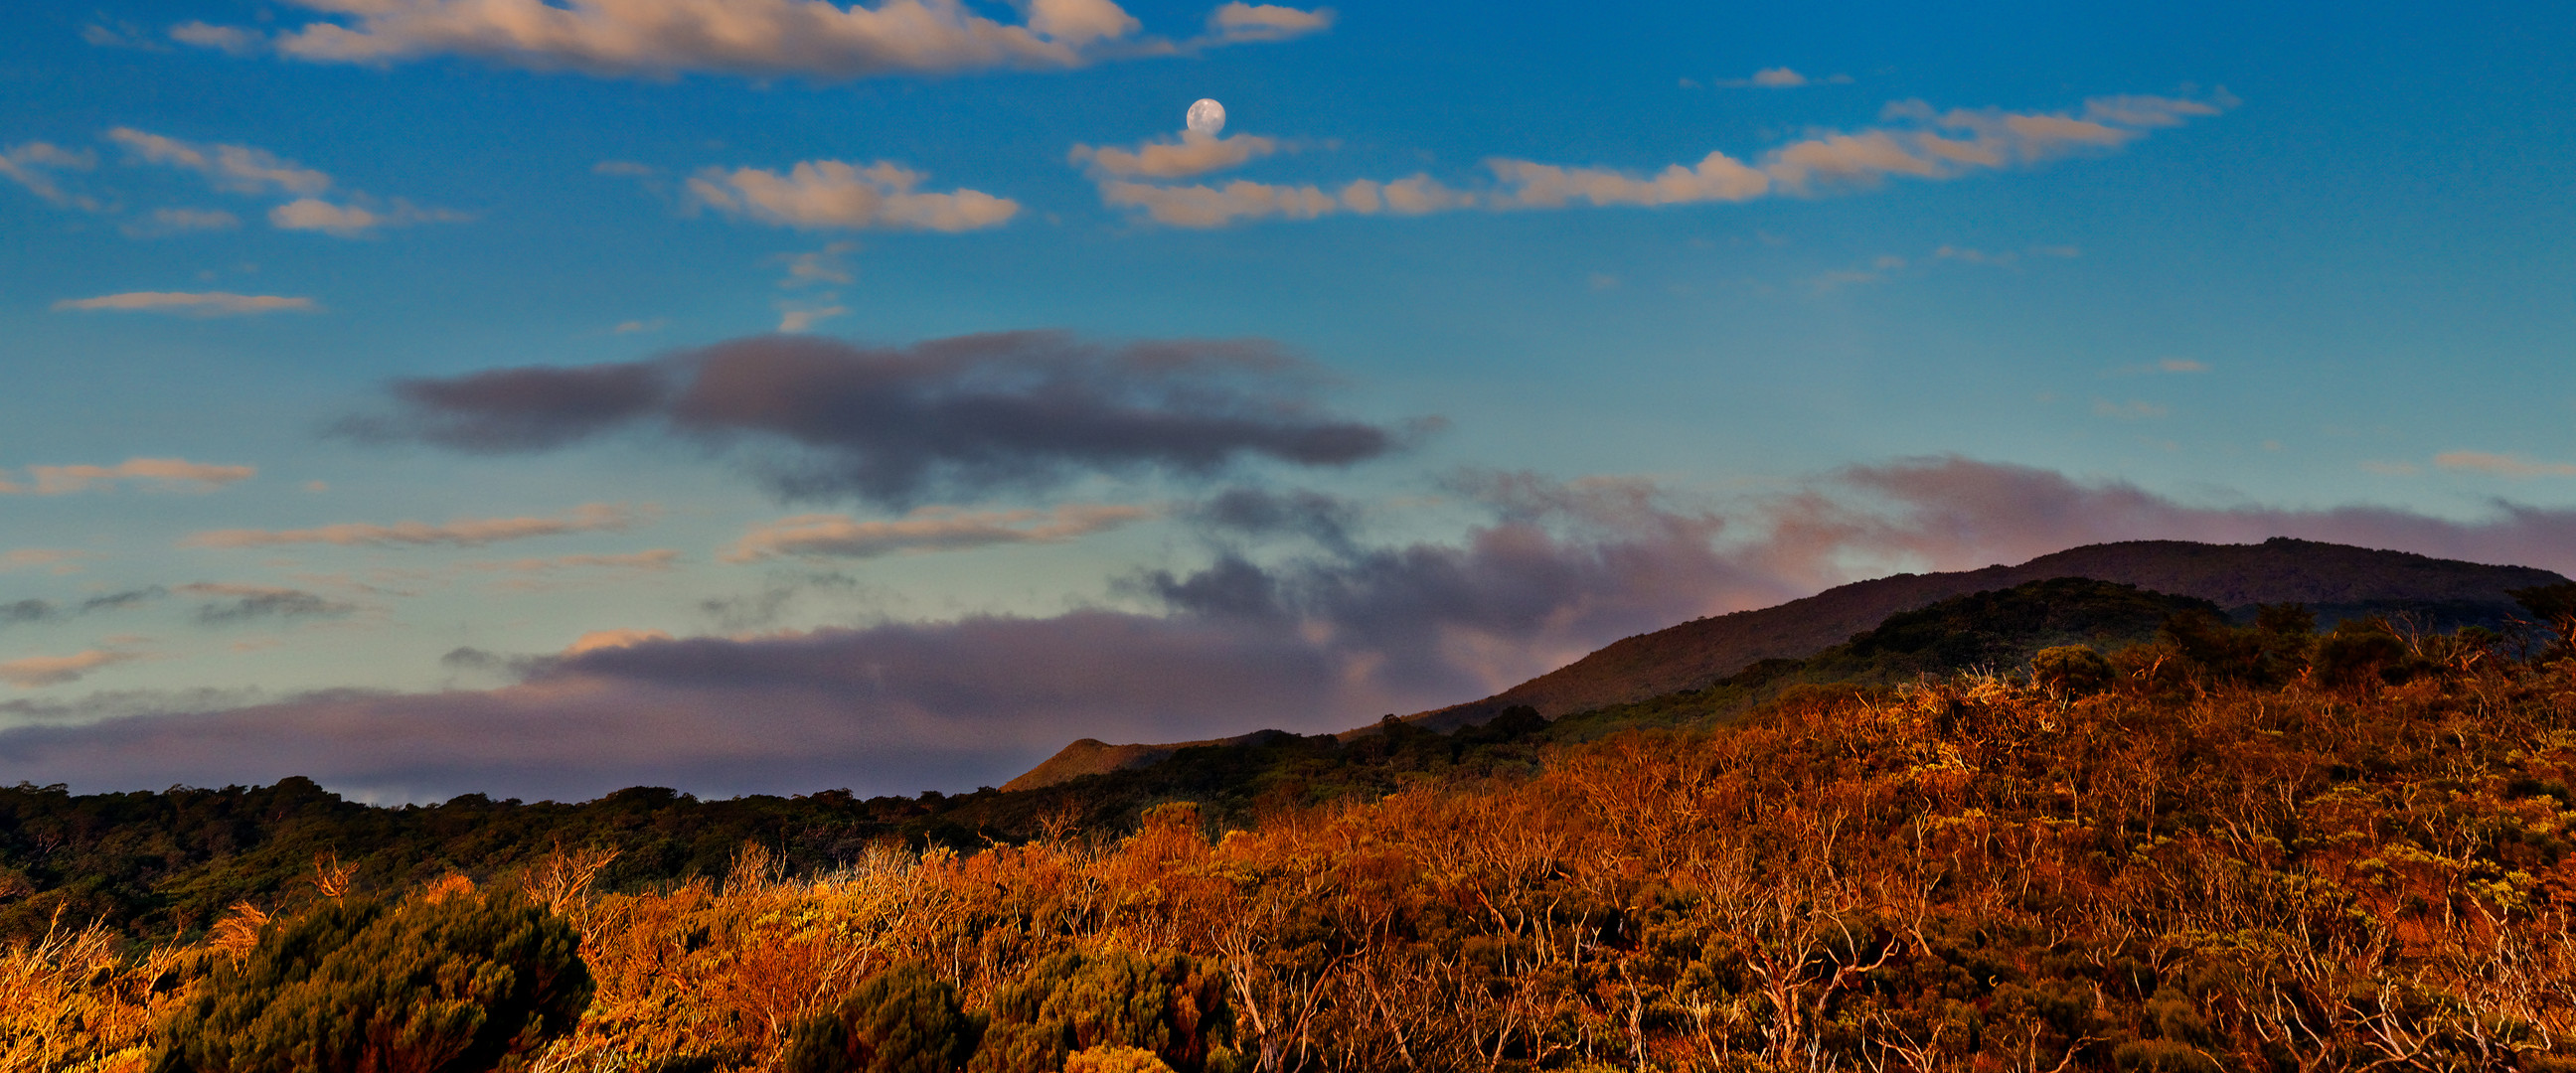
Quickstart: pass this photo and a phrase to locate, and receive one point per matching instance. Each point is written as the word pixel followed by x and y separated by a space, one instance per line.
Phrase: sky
pixel 767 396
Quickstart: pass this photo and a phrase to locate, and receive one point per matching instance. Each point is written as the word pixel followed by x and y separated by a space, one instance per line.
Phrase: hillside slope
pixel 2335 580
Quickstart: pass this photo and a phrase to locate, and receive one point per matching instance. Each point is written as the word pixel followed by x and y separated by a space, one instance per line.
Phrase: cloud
pixel 461 532
pixel 815 267
pixel 25 611
pixel 1322 638
pixel 32 165
pixel 1776 78
pixel 655 560
pixel 354 220
pixel 191 303
pixel 238 169
pixel 35 672
pixel 934 528
pixel 839 194
pixel 173 221
pixel 232 603
pixel 1913 141
pixel 2502 465
pixel 2132 410
pixel 751 38
pixel 632 327
pixel 794 317
pixel 232 40
pixel 1234 22
pixel 1193 154
pixel 819 417
pixel 57 560
pixel 153 474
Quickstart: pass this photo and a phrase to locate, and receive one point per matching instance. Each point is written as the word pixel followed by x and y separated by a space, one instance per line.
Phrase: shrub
pixel 1115 1060
pixel 2359 652
pixel 463 984
pixel 902 1019
pixel 1076 1002
pixel 2071 671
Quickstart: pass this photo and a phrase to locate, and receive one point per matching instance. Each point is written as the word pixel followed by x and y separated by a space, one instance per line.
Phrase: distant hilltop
pixel 2335 581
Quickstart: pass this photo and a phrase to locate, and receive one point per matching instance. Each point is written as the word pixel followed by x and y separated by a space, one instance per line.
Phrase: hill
pixel 2336 581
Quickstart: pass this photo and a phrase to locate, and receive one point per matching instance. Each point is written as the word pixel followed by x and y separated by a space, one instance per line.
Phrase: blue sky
pixel 1480 336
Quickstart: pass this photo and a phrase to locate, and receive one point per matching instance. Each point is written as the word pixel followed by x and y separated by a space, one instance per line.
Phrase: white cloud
pixel 155 474
pixel 794 317
pixel 353 220
pixel 632 327
pixel 1194 154
pixel 238 169
pixel 32 165
pixel 191 303
pixel 839 194
pixel 2503 465
pixel 753 38
pixel 925 529
pixel 1780 78
pixel 38 671
pixel 464 532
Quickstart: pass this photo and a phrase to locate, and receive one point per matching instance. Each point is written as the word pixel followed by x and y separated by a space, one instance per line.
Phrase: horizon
pixel 430 406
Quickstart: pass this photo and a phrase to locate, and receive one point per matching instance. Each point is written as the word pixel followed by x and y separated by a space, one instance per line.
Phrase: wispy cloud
pixel 820 194
pixel 1780 78
pixel 2502 465
pixel 1192 154
pixel 35 672
pixel 935 528
pixel 1913 141
pixel 229 603
pixel 151 474
pixel 33 164
pixel 256 172
pixel 238 169
pixel 56 560
pixel 355 219
pixel 752 38
pixel 191 303
pixel 175 221
pixel 461 532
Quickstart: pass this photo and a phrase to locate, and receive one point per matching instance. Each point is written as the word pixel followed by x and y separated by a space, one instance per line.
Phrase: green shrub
pixel 1072 1002
pixel 2360 652
pixel 2071 671
pixel 902 1019
pixel 464 984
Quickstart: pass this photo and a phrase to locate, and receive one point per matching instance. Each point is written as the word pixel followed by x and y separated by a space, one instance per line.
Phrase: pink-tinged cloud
pixel 460 532
pixel 36 672
pixel 58 560
pixel 150 474
pixel 238 169
pixel 190 303
pixel 1914 141
pixel 32 165
pixel 752 38
pixel 355 219
pixel 1193 154
pixel 2502 465
pixel 1310 640
pixel 838 194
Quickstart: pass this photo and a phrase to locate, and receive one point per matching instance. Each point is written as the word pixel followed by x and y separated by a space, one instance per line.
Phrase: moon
pixel 1207 117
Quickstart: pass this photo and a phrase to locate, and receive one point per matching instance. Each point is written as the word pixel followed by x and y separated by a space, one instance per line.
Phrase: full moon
pixel 1207 117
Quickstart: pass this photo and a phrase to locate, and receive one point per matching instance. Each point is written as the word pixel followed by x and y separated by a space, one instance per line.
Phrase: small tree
pixel 466 983
pixel 1075 1002
pixel 902 1019
pixel 2071 671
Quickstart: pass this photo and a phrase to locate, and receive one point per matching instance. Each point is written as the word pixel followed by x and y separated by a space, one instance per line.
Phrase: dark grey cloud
pixel 824 418
pixel 1320 638
pixel 35 610
pixel 233 604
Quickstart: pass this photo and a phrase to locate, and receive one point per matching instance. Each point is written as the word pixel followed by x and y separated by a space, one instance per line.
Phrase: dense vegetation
pixel 2245 847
